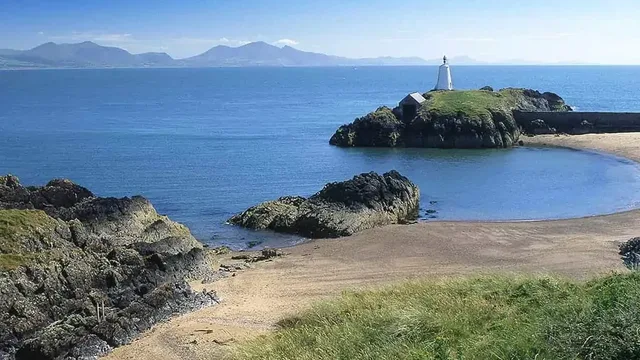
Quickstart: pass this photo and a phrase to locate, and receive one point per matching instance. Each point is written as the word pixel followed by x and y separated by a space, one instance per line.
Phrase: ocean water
pixel 203 144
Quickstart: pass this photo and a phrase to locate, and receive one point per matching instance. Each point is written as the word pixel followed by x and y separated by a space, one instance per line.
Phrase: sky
pixel 544 31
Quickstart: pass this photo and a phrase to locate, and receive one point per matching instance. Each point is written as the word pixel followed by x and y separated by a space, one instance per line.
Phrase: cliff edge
pixel 80 274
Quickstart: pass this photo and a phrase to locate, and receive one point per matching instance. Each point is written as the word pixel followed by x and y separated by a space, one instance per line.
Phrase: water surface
pixel 203 144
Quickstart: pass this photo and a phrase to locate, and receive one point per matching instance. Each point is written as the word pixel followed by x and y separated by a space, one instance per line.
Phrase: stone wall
pixel 574 122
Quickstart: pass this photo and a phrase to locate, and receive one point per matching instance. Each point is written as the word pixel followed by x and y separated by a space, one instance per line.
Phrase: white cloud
pixel 207 41
pixel 286 42
pixel 40 32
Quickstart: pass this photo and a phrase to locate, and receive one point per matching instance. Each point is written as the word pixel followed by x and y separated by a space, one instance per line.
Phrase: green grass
pixel 13 261
pixel 483 318
pixel 472 103
pixel 19 227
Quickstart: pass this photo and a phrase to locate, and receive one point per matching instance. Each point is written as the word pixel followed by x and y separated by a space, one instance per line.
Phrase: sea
pixel 204 144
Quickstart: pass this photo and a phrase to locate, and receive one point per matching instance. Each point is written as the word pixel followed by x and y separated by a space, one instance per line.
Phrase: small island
pixel 447 118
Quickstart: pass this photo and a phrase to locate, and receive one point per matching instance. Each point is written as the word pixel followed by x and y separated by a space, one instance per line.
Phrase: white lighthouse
pixel 444 76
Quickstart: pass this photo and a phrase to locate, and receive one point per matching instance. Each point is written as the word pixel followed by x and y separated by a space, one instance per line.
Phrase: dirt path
pixel 255 299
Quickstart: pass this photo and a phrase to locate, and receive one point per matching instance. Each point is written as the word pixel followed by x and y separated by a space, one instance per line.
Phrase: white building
pixel 444 76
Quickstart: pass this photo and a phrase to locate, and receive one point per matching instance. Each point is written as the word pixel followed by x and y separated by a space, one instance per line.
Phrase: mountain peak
pixel 258 44
pixel 88 43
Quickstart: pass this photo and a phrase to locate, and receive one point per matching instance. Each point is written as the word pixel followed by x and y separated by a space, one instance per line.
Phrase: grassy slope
pixel 17 226
pixel 473 103
pixel 484 318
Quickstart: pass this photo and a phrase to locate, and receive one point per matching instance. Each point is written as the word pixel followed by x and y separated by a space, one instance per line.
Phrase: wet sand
pixel 255 299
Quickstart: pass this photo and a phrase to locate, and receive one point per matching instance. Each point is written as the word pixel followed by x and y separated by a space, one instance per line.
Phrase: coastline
pixel 256 299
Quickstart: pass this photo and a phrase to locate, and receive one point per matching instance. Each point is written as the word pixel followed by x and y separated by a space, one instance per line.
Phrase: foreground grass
pixel 483 318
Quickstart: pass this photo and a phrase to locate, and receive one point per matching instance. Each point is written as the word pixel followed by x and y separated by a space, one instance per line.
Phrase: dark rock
pixel 539 127
pixel 339 209
pixel 630 252
pixel 79 253
pixel 486 88
pixel 584 128
pixel 269 253
pixel 379 128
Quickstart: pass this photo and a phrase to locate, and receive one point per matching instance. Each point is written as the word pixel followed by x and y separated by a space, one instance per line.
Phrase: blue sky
pixel 539 30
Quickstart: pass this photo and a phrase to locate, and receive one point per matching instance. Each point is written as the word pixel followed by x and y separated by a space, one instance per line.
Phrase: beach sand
pixel 255 299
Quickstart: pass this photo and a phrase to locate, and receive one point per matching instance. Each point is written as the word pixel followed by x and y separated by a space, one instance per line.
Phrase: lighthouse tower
pixel 444 76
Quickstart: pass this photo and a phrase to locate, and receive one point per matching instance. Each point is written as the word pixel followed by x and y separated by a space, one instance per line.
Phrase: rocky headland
pixel 450 119
pixel 80 274
pixel 339 209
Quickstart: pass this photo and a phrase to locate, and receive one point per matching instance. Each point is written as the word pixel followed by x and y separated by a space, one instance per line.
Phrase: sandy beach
pixel 255 299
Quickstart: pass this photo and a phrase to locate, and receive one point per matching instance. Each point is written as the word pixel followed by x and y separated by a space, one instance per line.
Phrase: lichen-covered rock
pixel 450 119
pixel 630 252
pixel 65 253
pixel 339 209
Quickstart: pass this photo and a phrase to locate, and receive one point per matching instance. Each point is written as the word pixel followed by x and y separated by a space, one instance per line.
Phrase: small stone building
pixel 410 105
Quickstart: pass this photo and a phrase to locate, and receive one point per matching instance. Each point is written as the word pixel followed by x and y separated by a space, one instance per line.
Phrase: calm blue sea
pixel 203 144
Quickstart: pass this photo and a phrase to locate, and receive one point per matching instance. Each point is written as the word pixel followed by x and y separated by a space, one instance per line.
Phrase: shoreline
pixel 254 300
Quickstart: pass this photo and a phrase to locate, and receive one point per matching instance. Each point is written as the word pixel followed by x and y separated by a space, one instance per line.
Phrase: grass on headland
pixel 483 318
pixel 472 103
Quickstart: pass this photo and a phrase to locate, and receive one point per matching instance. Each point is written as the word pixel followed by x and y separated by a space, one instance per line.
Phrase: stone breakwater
pixel 339 209
pixel 80 274
pixel 577 122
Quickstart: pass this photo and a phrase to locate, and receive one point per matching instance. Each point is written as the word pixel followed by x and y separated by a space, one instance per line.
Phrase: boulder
pixel 585 127
pixel 339 209
pixel 80 274
pixel 630 252
pixel 539 127
pixel 450 119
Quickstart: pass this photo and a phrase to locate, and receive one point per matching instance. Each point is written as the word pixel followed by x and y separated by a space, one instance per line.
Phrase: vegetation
pixel 13 261
pixel 482 318
pixel 472 103
pixel 18 230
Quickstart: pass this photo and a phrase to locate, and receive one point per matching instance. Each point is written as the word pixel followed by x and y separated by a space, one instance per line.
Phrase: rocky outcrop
pixel 538 127
pixel 339 209
pixel 80 274
pixel 450 119
pixel 630 252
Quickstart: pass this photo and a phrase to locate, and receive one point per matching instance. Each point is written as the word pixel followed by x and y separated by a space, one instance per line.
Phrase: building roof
pixel 415 98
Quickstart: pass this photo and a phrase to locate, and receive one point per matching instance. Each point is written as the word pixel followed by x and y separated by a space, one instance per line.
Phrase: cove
pixel 204 144
pixel 519 184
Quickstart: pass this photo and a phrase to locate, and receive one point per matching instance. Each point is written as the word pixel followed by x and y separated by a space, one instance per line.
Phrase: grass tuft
pixel 19 231
pixel 482 318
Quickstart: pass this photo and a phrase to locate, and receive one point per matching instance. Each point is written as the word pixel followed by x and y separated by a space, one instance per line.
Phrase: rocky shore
pixel 339 209
pixel 450 119
pixel 80 274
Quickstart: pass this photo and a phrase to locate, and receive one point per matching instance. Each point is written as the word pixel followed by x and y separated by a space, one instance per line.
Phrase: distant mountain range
pixel 91 55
